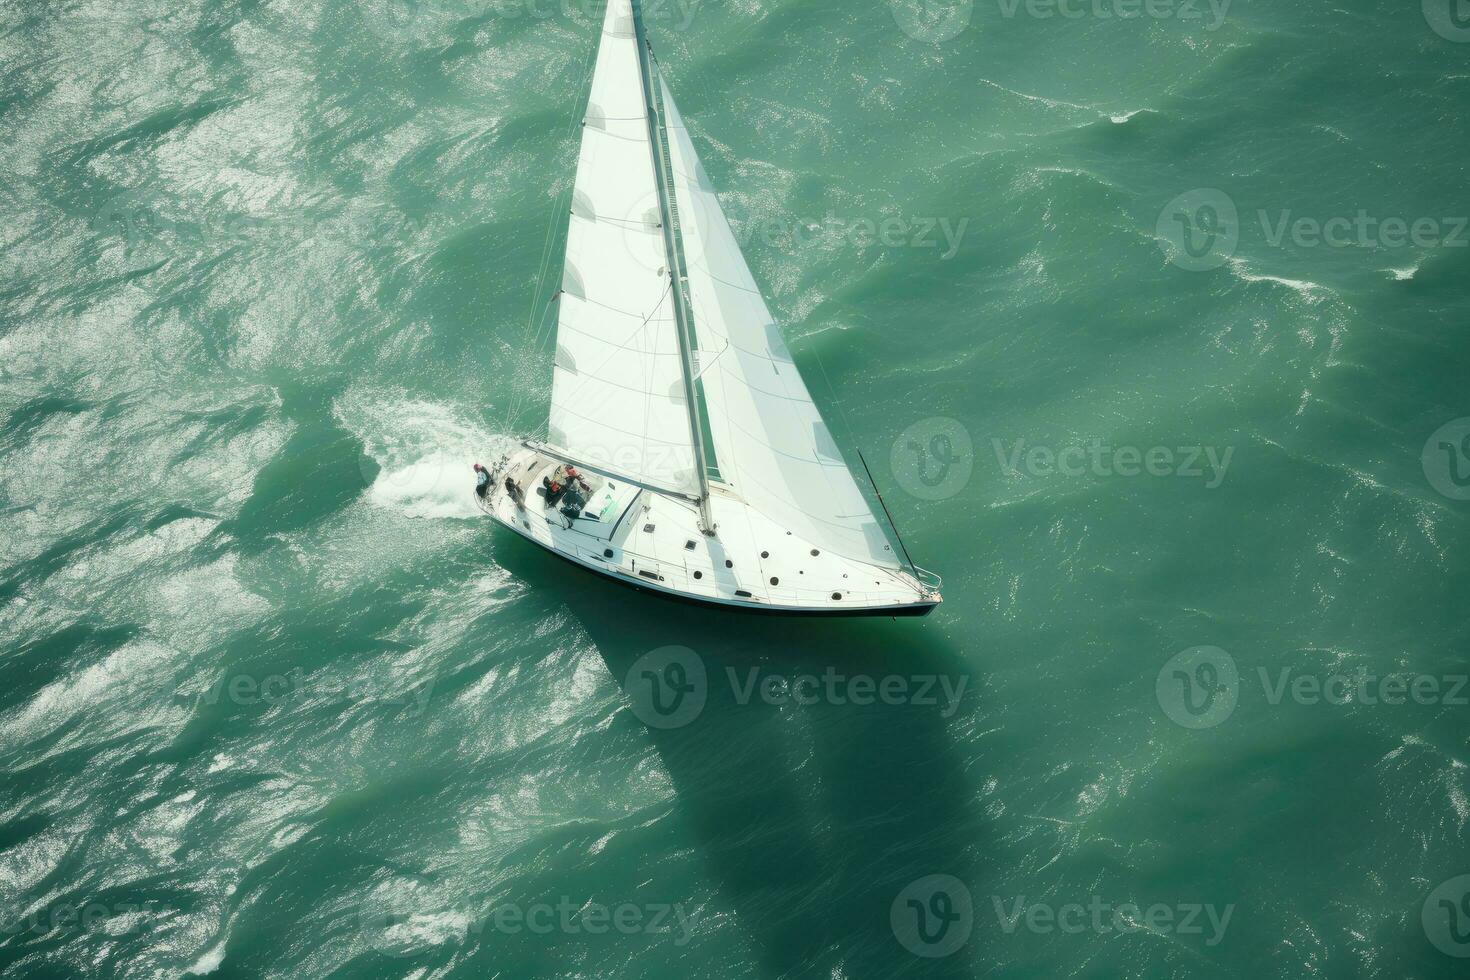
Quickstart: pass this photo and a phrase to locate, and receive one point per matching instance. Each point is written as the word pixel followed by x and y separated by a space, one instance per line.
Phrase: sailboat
pixel 684 455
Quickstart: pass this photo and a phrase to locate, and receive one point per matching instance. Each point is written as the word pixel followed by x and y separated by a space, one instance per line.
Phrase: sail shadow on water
pixel 810 818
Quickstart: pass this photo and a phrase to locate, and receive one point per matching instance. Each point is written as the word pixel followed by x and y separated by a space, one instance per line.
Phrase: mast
pixel 675 255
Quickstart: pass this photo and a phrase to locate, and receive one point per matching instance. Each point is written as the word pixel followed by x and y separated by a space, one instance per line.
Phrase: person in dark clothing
pixel 573 502
pixel 482 481
pixel 514 490
pixel 554 490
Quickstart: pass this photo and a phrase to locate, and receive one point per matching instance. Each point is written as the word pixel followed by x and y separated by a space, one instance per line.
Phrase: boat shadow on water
pixel 825 810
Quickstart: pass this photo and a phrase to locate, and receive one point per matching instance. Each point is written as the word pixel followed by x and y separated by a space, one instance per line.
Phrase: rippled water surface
pixel 1118 309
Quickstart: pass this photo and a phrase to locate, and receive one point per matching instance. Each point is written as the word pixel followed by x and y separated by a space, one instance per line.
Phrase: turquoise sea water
pixel 274 702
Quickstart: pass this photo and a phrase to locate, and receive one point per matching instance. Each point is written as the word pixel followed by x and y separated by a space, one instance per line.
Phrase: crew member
pixel 573 477
pixel 554 490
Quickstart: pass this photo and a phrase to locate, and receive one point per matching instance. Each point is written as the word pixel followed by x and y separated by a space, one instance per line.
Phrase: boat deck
pixel 653 541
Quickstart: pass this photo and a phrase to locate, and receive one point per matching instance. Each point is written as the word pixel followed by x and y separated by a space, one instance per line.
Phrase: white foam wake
pixel 425 452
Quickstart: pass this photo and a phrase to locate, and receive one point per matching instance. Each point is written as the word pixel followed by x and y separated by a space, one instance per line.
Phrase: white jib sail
pixel 617 397
pixel 771 444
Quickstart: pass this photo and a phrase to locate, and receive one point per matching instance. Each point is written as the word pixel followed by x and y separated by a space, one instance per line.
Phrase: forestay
pixel 617 398
pixel 771 444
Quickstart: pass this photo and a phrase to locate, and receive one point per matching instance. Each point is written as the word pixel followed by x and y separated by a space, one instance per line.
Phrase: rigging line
pixel 546 254
pixel 631 224
pixel 534 336
pixel 547 326
pixel 604 422
pixel 626 345
pixel 653 86
pixel 532 329
pixel 615 136
pixel 572 328
pixel 515 409
pixel 533 343
pixel 612 309
pixel 912 567
pixel 521 404
pixel 852 437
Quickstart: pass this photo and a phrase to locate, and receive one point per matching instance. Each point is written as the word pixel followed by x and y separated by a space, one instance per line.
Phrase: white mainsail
pixel 617 398
pixel 771 443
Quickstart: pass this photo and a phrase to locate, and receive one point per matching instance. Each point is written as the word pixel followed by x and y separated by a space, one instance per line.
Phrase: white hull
pixel 652 542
